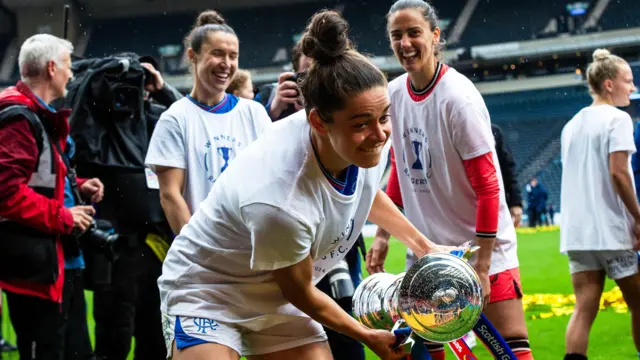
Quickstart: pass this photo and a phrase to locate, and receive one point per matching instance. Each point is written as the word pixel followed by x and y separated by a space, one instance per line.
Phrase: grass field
pixel 543 271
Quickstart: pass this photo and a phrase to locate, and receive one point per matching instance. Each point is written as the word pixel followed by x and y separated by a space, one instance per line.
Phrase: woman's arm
pixel 175 207
pixel 386 215
pixel 296 284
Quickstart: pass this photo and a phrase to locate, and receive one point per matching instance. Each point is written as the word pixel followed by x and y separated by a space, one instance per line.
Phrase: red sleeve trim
pixel 81 181
pixel 393 184
pixel 482 174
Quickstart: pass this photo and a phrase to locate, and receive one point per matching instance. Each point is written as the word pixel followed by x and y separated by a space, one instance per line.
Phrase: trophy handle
pixel 494 342
pixel 403 336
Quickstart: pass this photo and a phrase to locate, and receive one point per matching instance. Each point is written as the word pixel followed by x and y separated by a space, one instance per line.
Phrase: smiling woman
pixel 198 136
pixel 445 174
pixel 212 47
pixel 283 214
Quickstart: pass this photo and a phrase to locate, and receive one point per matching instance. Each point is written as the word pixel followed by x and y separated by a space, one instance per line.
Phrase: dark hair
pixel 428 12
pixel 337 71
pixel 296 54
pixel 208 21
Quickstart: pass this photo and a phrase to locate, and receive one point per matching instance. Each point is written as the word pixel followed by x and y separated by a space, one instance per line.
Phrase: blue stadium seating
pixel 368 22
pixel 551 177
pixel 621 14
pixel 262 31
pixel 527 138
pixel 496 21
pixel 537 104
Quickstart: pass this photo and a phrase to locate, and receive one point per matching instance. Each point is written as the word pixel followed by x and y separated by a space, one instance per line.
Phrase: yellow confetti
pixel 545 306
pixel 529 230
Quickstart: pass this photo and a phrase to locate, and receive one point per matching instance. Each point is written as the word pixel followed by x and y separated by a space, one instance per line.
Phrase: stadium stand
pixel 148 35
pixel 536 104
pixel 551 176
pixel 619 14
pixel 367 20
pixel 497 21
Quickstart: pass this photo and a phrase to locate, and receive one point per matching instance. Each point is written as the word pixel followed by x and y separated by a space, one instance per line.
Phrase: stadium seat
pixel 496 21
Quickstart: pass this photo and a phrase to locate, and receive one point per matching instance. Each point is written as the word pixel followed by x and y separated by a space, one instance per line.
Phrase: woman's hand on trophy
pixel 382 343
pixel 445 249
pixel 485 282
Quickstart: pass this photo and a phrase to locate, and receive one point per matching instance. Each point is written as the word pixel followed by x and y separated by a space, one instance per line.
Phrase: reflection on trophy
pixel 439 298
pixel 225 152
pixel 417 147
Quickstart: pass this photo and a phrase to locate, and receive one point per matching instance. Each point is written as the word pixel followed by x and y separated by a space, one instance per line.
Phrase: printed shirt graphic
pixel 432 135
pixel 204 140
pixel 593 214
pixel 273 208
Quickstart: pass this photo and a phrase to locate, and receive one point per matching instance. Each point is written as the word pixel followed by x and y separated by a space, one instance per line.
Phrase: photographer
pixel 32 176
pixel 122 111
pixel 283 98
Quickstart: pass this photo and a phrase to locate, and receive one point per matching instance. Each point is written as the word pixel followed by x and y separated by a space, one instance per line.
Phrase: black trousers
pixel 535 217
pixel 74 330
pixel 130 307
pixel 36 322
pixel 342 346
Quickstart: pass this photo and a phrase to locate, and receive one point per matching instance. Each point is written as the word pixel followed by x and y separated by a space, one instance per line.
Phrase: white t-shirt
pixel 593 216
pixel 270 209
pixel 432 136
pixel 204 140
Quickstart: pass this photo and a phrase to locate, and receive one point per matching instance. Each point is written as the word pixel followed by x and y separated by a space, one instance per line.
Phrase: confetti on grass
pixel 544 306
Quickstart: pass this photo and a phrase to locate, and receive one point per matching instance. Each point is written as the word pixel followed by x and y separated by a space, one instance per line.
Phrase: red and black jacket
pixel 36 205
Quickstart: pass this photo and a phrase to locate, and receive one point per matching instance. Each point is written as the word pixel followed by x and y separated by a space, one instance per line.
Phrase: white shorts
pixel 189 331
pixel 617 264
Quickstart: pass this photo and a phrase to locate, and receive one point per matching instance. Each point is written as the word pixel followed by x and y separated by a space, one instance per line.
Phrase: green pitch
pixel 543 270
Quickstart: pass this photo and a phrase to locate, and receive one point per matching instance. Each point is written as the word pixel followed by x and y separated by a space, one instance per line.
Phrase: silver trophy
pixel 439 298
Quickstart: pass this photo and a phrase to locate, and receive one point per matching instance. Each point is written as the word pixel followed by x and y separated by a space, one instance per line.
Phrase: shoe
pixel 6 347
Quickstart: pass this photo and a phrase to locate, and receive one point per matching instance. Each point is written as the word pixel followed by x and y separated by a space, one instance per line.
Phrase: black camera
pixel 296 78
pixel 100 237
pixel 293 78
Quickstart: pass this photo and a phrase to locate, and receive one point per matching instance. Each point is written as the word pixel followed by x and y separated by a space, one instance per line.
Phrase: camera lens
pixel 340 281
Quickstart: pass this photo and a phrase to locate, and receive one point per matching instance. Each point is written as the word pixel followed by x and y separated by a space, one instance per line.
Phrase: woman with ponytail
pixel 200 135
pixel 239 279
pixel 600 216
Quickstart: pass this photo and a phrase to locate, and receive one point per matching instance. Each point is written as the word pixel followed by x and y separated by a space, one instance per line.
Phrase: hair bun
pixel 210 17
pixel 601 54
pixel 325 38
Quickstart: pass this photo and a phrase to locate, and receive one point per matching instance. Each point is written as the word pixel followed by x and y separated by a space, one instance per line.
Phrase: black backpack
pixel 25 253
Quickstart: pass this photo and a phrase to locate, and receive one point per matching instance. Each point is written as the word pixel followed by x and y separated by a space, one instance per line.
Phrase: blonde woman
pixel 600 224
pixel 241 85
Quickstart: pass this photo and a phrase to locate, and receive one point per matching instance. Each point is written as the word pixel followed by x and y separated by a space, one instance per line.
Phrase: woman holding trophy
pixel 445 173
pixel 239 279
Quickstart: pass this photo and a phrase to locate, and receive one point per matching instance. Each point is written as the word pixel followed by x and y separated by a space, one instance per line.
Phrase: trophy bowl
pixel 439 298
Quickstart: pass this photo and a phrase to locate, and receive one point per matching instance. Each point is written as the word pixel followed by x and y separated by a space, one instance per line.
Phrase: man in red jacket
pixel 32 182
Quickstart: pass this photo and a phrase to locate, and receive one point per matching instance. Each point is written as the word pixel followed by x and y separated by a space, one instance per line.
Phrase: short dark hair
pixel 208 21
pixel 338 71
